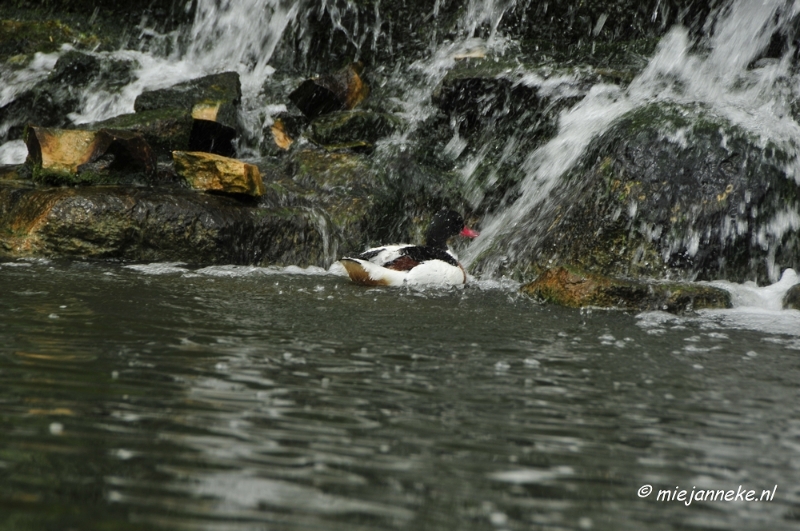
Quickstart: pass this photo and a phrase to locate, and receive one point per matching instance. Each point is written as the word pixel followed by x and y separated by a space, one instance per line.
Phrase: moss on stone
pixel 572 288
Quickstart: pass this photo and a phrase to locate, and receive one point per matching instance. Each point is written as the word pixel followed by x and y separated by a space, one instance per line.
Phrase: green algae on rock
pixel 351 129
pixel 72 156
pixel 667 192
pixel 577 290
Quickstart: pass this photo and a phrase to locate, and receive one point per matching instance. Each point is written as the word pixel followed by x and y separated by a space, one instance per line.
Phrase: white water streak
pixel 756 99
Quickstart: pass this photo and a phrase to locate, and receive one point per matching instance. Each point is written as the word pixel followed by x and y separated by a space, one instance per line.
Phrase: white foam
pixel 159 268
pixel 722 81
pixel 750 295
pixel 754 308
pixel 234 271
pixel 13 153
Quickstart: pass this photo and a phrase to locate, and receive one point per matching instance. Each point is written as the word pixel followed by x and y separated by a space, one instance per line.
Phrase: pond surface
pixel 235 398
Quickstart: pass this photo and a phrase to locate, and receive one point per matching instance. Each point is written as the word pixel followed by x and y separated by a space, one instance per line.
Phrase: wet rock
pixel 342 90
pixel 26 37
pixel 213 98
pixel 165 130
pixel 197 115
pixel 49 102
pixel 146 224
pixel 286 128
pixel 791 301
pixel 668 192
pixel 208 172
pixel 351 129
pixel 578 290
pixel 68 156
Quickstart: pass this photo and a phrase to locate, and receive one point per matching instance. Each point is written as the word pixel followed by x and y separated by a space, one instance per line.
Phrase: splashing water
pixel 755 99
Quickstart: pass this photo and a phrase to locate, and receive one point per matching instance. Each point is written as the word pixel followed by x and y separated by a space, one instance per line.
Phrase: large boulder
pixel 145 224
pixel 667 192
pixel 316 207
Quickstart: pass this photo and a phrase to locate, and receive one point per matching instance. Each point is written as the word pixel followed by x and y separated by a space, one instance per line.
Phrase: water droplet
pixel 498 518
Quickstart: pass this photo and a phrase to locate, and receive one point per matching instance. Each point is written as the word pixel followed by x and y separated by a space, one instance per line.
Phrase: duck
pixel 432 264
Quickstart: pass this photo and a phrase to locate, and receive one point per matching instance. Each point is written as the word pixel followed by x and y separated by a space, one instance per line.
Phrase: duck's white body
pixel 393 265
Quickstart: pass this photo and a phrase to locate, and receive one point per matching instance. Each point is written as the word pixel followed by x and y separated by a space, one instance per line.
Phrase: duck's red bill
pixel 469 233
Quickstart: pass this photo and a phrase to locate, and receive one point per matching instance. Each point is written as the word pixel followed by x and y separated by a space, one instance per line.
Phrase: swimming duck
pixel 401 264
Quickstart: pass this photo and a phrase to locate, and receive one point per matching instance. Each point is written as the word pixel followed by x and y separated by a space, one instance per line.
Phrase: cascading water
pixel 755 98
pixel 720 73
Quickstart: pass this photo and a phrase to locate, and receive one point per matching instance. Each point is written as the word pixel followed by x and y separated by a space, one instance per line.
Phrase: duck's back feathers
pixel 395 265
pixel 429 264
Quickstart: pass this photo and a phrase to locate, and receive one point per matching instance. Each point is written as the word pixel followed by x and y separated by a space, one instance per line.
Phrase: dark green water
pixel 239 399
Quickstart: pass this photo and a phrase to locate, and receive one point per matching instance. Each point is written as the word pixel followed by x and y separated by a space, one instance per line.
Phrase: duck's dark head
pixel 444 225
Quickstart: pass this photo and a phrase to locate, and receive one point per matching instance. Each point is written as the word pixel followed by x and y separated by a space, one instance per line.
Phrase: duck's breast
pixel 436 273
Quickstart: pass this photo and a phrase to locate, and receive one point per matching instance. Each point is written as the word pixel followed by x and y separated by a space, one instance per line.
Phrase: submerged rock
pixel 209 172
pixel 578 290
pixel 286 128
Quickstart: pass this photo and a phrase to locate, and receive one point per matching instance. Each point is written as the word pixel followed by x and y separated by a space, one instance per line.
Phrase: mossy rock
pixel 27 37
pixel 222 91
pixel 577 290
pixel 49 102
pixel 667 192
pixel 351 129
pixel 166 130
pixel 158 224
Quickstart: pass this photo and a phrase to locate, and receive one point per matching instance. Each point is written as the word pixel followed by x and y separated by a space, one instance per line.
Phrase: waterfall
pixel 720 73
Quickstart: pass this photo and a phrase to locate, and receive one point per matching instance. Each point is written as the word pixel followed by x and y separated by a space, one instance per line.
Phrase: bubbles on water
pixel 532 363
pixel 502 366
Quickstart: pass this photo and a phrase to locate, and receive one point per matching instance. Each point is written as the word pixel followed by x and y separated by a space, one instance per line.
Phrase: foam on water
pixel 14 152
pixel 750 295
pixel 231 271
pixel 754 308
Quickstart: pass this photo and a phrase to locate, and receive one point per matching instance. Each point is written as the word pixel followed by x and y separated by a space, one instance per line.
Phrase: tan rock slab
pixel 209 172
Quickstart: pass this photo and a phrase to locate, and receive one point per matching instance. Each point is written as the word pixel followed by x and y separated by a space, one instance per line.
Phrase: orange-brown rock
pixel 577 290
pixel 79 156
pixel 209 172
pixel 340 91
